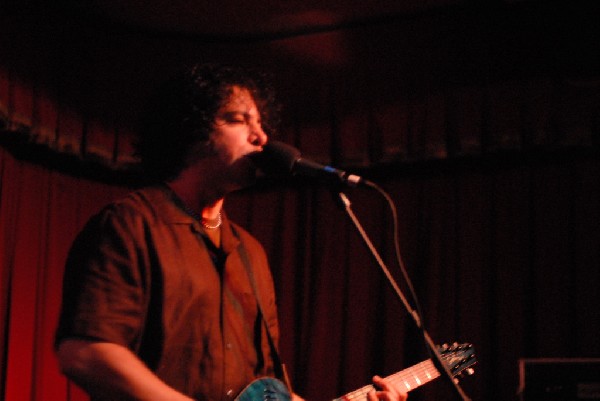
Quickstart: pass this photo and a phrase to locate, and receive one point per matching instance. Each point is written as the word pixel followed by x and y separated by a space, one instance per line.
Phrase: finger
pixel 381 383
pixel 384 385
pixel 372 396
pixel 388 392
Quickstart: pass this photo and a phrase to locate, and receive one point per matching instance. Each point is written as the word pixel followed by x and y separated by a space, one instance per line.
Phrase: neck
pixel 211 212
pixel 205 203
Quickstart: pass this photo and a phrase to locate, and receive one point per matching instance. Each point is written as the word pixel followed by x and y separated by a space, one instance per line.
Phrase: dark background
pixel 480 119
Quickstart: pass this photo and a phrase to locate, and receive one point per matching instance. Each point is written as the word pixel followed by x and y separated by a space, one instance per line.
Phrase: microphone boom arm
pixel 432 348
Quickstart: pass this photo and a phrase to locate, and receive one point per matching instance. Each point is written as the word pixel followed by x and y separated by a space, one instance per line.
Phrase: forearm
pixel 112 372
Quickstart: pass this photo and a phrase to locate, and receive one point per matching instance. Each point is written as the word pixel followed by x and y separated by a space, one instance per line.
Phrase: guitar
pixel 458 358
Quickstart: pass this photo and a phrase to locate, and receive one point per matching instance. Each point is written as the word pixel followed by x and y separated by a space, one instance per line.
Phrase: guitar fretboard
pixel 407 380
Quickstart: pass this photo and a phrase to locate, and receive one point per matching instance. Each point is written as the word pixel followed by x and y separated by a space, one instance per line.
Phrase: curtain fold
pixel 502 255
pixel 41 212
pixel 80 91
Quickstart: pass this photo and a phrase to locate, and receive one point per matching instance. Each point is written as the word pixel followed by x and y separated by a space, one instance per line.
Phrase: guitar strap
pixel 279 367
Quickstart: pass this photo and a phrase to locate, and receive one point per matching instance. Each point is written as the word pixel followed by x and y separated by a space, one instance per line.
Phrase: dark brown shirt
pixel 140 275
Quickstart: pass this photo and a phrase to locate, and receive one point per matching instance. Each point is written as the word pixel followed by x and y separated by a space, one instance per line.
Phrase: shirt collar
pixel 175 213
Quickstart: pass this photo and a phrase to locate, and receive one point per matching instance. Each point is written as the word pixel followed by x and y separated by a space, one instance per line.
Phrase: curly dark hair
pixel 180 116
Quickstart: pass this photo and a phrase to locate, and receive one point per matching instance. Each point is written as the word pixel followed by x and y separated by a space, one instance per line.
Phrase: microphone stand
pixel 436 357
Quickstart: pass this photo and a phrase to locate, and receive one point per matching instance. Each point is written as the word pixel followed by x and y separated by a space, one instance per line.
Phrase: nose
pixel 258 136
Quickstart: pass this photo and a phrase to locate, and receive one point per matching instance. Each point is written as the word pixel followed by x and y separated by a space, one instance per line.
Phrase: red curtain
pixel 40 213
pixel 503 255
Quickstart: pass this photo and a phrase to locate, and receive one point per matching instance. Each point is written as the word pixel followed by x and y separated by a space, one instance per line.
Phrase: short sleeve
pixel 104 281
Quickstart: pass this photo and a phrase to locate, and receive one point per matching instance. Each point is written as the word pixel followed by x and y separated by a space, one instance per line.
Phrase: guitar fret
pixel 409 379
pixel 358 394
pixel 419 374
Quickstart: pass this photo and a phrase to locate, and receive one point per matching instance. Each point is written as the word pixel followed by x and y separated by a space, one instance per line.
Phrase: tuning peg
pixel 470 371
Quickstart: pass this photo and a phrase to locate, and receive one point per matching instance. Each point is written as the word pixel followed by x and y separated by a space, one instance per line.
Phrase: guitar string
pixel 420 374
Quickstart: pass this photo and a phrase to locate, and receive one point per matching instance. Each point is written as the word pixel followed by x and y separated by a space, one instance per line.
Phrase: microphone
pixel 277 158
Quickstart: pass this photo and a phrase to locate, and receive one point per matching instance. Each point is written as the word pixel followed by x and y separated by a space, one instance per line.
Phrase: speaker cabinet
pixel 558 379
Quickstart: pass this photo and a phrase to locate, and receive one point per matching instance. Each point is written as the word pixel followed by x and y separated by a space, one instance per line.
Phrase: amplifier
pixel 559 379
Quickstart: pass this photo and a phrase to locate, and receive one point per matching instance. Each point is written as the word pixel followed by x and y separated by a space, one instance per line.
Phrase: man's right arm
pixel 112 372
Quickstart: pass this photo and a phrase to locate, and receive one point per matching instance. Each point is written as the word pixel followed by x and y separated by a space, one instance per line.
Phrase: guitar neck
pixel 407 380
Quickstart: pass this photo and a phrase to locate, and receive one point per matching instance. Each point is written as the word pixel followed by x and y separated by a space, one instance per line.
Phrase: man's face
pixel 237 132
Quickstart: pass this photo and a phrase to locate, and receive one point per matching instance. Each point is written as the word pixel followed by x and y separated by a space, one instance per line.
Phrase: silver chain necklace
pixel 212 226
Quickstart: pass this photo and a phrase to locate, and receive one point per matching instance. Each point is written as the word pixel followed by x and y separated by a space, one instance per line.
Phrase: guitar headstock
pixel 458 358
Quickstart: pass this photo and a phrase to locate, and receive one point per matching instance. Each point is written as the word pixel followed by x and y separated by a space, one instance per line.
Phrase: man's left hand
pixel 386 391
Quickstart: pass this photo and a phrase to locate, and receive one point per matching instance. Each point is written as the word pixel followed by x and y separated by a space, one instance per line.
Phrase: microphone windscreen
pixel 276 158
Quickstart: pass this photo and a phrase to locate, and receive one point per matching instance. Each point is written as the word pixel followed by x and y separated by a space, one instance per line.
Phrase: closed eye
pixel 235 117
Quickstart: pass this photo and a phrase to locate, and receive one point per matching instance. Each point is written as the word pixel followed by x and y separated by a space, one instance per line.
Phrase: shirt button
pixel 229 393
pixel 228 346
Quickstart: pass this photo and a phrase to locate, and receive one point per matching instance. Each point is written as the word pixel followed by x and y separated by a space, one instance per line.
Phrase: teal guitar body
pixel 265 389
